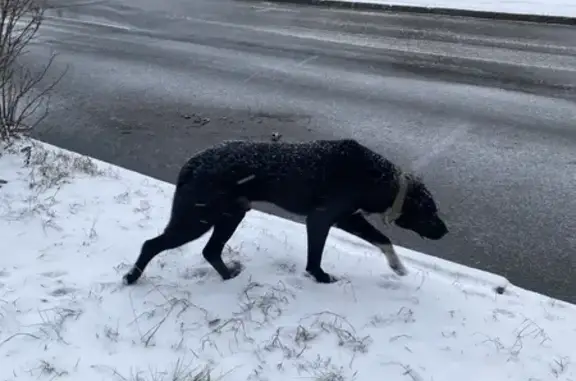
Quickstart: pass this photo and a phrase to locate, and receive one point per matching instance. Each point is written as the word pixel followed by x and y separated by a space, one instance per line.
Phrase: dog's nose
pixel 440 231
pixel 444 230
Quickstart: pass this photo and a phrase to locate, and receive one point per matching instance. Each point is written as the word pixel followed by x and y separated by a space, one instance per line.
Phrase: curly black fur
pixel 328 181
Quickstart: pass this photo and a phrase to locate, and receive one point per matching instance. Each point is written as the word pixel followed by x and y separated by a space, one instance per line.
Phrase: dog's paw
pixel 399 269
pixel 235 268
pixel 322 277
pixel 332 279
pixel 131 276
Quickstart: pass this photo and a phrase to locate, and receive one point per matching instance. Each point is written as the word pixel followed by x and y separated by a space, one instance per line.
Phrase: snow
pixel 72 226
pixel 562 8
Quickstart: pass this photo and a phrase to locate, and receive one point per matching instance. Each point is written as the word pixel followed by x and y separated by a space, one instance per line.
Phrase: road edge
pixel 562 20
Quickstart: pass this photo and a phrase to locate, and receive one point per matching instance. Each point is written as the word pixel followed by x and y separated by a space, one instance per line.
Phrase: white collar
pixel 395 211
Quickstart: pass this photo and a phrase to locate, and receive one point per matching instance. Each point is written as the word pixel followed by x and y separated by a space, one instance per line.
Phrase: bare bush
pixel 23 100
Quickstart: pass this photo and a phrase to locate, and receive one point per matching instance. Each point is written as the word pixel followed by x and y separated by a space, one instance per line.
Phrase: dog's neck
pixel 395 211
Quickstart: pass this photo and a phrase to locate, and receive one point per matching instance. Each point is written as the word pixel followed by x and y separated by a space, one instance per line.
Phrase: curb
pixel 563 20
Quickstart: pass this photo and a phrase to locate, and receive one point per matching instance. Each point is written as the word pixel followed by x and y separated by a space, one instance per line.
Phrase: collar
pixel 395 211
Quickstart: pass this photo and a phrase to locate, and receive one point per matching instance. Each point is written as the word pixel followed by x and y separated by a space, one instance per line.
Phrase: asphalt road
pixel 485 111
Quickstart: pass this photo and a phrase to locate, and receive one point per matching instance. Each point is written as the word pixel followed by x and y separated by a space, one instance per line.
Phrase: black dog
pixel 331 182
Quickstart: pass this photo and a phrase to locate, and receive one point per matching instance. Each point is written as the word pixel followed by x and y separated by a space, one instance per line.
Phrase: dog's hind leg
pixel 170 239
pixel 224 228
pixel 357 225
pixel 188 221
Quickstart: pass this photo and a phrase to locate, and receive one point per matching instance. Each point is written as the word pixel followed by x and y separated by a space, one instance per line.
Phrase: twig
pixel 16 335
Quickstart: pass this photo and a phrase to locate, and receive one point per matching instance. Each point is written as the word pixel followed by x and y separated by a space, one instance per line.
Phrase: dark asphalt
pixel 485 111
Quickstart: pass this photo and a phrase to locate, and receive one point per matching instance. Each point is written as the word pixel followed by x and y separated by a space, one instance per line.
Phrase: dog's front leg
pixel 357 225
pixel 318 224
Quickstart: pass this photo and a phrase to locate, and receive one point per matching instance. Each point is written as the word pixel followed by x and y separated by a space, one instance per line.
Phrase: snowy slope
pixel 65 315
pixel 563 8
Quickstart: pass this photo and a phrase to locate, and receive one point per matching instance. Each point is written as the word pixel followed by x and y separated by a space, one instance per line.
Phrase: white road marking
pixel 440 147
pixel 67 20
pixel 306 60
pixel 298 64
pixel 273 8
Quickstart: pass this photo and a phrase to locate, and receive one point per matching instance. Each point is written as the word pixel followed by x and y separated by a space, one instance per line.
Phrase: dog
pixel 330 182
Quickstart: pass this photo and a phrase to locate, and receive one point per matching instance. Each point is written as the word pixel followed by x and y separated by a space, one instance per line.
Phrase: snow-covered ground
pixel 563 8
pixel 71 226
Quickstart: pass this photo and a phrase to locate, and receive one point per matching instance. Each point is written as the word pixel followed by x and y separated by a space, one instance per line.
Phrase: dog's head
pixel 417 211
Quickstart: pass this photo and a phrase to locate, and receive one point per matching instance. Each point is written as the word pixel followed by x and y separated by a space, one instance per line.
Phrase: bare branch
pixel 21 96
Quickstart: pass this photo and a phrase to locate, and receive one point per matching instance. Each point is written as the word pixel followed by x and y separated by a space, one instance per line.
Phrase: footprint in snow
pixel 285 267
pixel 53 274
pixel 197 273
pixel 62 291
pixel 503 312
pixel 4 274
pixel 389 285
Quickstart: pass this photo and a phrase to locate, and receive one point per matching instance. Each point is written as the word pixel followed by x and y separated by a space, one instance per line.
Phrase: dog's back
pixel 293 176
